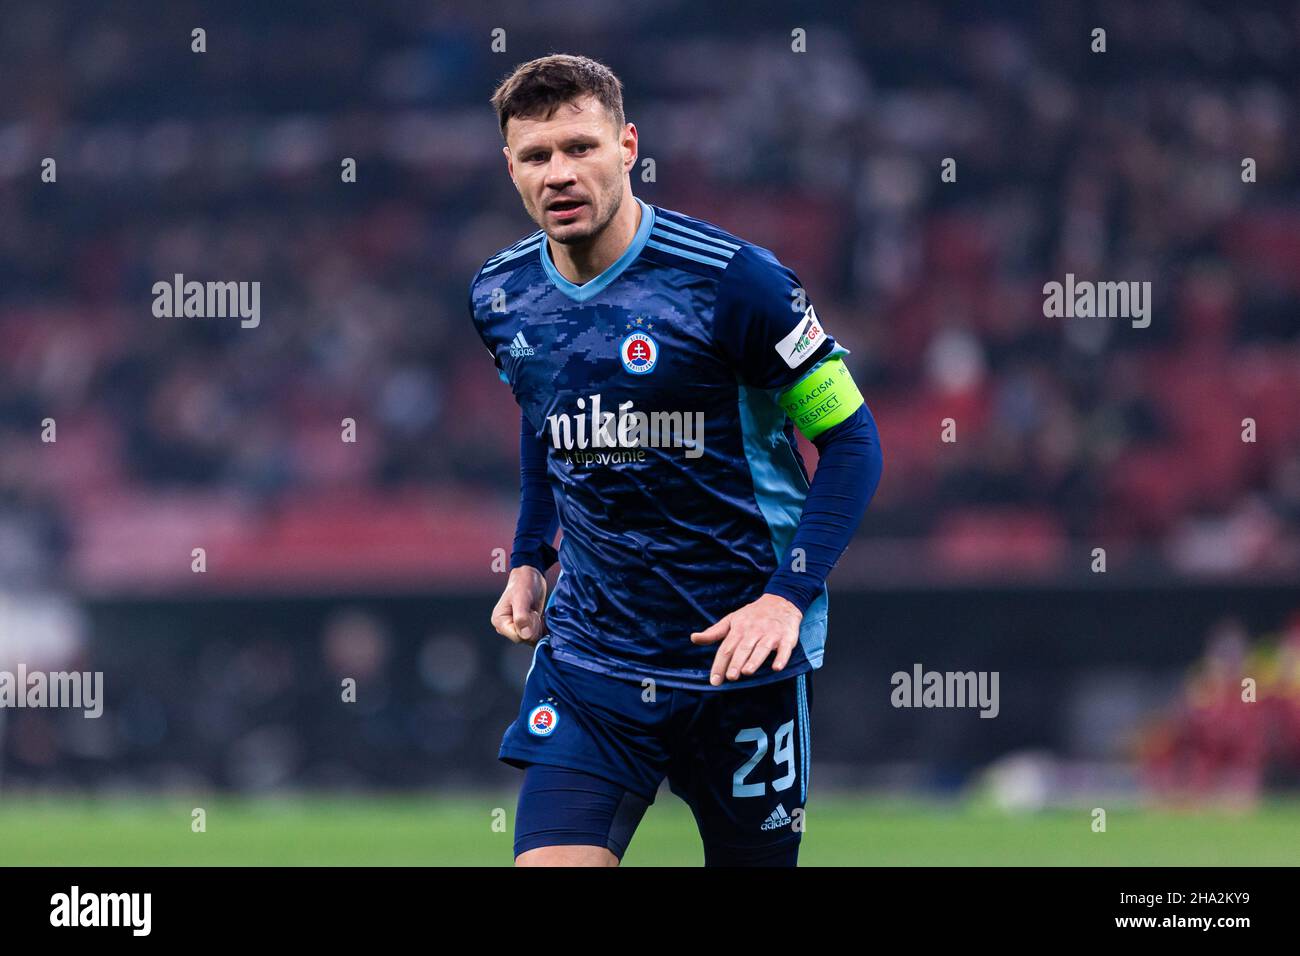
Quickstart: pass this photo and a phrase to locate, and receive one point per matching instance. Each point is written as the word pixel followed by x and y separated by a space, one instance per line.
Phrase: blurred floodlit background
pixel 373 560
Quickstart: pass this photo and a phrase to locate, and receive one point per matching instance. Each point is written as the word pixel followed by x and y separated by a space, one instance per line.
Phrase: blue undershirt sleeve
pixel 848 471
pixel 538 518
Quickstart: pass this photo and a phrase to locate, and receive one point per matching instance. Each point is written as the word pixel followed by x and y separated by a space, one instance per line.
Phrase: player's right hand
pixel 518 614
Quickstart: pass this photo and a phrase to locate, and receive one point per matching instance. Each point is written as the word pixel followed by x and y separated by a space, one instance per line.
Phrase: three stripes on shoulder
pixel 679 240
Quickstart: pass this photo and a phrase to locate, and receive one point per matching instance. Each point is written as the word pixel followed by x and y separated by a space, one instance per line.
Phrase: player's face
pixel 571 169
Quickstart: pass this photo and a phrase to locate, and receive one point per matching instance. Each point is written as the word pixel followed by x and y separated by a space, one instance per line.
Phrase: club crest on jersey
pixel 542 720
pixel 639 353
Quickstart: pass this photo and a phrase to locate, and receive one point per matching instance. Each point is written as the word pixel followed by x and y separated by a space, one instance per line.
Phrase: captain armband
pixel 822 399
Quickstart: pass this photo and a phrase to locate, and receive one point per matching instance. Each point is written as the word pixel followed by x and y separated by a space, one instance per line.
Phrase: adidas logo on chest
pixel 519 347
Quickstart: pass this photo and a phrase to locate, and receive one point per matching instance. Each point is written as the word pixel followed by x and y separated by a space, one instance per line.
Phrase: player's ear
pixel 510 164
pixel 628 141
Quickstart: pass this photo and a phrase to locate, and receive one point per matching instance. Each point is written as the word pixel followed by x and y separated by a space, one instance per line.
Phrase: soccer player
pixel 661 365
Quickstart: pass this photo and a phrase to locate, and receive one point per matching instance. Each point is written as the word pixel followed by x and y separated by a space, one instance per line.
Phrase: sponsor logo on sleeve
pixel 802 340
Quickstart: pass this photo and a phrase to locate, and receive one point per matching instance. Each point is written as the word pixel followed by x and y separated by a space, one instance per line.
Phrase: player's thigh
pixel 743 769
pixel 567 856
pixel 574 818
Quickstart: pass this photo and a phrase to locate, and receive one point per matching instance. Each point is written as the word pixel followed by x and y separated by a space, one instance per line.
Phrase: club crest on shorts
pixel 542 720
pixel 639 353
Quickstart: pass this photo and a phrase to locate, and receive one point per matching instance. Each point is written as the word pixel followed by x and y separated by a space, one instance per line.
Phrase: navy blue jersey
pixel 677 479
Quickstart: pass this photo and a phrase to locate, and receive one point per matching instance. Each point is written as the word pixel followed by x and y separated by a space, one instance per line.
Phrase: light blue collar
pixel 581 293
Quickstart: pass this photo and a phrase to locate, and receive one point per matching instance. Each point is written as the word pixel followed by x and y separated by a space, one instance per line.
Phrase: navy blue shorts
pixel 596 748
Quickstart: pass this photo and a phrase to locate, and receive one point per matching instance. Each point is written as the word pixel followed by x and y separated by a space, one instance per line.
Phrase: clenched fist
pixel 518 614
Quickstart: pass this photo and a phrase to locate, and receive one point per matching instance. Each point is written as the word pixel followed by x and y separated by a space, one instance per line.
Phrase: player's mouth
pixel 565 209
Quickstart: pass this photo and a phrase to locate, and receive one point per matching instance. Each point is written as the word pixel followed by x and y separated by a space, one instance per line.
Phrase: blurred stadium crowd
pixel 1207 745
pixel 225 165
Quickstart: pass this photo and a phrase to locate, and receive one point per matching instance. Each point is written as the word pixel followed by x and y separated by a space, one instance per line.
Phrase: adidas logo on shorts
pixel 776 819
pixel 519 347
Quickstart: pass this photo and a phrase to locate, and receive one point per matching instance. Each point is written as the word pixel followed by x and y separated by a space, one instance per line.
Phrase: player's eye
pixel 580 148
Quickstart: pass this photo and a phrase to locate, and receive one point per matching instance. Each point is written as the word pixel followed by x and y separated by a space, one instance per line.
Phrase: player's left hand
pixel 749 635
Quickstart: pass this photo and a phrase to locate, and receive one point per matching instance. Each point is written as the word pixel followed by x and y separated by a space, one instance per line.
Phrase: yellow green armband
pixel 822 399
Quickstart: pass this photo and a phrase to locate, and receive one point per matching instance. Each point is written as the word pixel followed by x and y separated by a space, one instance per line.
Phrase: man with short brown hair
pixel 661 365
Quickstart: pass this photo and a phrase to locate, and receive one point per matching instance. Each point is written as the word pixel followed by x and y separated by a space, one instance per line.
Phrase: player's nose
pixel 559 173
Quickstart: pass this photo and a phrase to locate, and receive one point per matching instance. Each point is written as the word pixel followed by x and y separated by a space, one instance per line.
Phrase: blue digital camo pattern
pixel 677 479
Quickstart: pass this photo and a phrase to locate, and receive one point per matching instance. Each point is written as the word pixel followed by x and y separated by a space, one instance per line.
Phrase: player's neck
pixel 580 263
